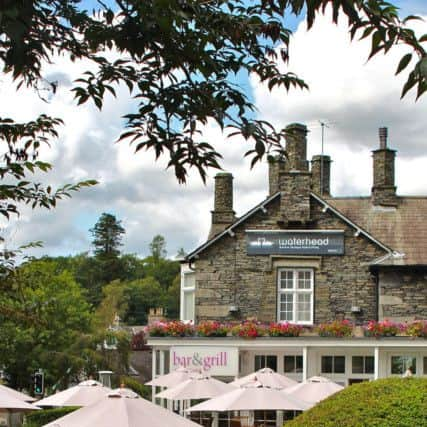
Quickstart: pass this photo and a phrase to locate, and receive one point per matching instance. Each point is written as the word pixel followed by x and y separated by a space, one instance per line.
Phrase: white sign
pixel 220 361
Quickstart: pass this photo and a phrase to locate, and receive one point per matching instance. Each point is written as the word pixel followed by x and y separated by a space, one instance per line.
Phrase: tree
pixel 107 236
pixel 43 315
pixel 177 56
pixel 20 145
pixel 158 247
pixel 141 296
pixel 156 265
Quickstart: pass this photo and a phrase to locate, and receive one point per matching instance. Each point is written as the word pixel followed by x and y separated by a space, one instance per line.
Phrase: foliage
pixel 385 328
pixel 107 236
pixel 141 296
pixel 172 298
pixel 337 328
pixel 178 58
pixel 391 402
pixel 212 329
pixel 138 341
pixel 284 330
pixel 142 389
pixel 45 416
pixel 248 329
pixel 42 316
pixel 417 328
pixel 158 247
pixel 20 157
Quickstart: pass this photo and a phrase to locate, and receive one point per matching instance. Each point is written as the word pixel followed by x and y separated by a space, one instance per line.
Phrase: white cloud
pixel 356 98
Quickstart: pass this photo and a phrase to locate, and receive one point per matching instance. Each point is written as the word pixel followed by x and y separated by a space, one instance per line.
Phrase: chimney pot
pixel 383 133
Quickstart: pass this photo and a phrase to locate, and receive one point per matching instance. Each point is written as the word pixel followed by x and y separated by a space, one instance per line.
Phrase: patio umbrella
pixel 83 394
pixel 266 377
pixel 16 394
pixel 252 396
pixel 314 389
pixel 173 378
pixel 122 408
pixel 15 405
pixel 198 387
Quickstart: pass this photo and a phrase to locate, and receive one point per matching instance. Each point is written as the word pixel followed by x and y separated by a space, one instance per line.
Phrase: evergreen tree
pixel 158 247
pixel 107 239
pixel 107 236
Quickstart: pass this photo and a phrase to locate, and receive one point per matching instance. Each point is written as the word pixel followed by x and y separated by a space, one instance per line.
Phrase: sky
pixel 352 96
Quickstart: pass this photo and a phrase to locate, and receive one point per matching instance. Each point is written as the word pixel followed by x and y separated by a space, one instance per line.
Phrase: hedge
pixel 45 416
pixel 390 402
pixel 143 390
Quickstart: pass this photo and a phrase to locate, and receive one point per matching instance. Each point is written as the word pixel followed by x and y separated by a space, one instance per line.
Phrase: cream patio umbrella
pixel 12 407
pixel 122 408
pixel 267 377
pixel 199 386
pixel 173 378
pixel 314 389
pixel 252 396
pixel 16 394
pixel 83 394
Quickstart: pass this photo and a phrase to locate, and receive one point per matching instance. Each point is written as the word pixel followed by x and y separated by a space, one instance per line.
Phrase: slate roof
pixel 404 229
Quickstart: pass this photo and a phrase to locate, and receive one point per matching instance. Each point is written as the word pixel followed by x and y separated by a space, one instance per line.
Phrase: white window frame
pixel 295 291
pixel 185 289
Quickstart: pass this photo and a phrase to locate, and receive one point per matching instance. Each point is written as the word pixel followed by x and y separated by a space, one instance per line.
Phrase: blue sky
pixel 355 97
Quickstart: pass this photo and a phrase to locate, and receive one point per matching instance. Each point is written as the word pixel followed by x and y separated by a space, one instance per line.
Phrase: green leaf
pixel 406 59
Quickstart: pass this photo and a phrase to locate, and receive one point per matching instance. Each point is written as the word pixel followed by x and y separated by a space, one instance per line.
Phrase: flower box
pixel 284 330
pixel 212 329
pixel 384 328
pixel 418 328
pixel 336 329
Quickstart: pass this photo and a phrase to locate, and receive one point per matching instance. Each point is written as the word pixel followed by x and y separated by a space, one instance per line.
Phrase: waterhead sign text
pixel 297 242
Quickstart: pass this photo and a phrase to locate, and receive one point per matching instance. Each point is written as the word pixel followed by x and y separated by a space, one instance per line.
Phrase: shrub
pixel 385 328
pixel 138 341
pixel 284 330
pixel 212 329
pixel 390 402
pixel 337 328
pixel 417 329
pixel 141 389
pixel 248 329
pixel 45 416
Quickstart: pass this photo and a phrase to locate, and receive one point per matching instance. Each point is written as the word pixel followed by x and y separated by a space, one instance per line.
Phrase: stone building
pixel 306 257
pixel 379 272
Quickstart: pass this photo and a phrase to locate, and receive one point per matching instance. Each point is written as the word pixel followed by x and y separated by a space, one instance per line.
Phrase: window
pixel 269 361
pixel 333 364
pixel 295 295
pixel 292 364
pixel 400 364
pixel 425 365
pixel 362 364
pixel 188 289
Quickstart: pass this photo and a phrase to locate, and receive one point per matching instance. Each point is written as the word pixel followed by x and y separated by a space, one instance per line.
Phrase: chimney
pixel 321 175
pixel 276 165
pixel 223 214
pixel 296 147
pixel 384 190
pixel 295 180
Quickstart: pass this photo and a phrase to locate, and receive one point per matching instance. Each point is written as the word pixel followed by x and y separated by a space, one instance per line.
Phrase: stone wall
pixel 403 294
pixel 226 276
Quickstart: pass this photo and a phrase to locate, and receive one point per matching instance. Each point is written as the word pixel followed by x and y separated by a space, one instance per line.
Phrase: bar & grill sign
pixel 297 242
